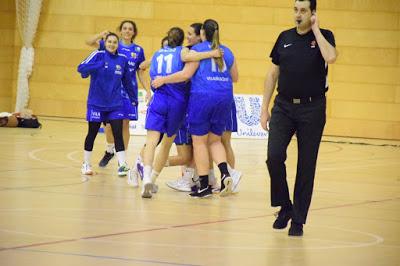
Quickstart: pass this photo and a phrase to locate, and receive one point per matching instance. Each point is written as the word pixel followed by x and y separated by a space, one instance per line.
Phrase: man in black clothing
pixel 300 61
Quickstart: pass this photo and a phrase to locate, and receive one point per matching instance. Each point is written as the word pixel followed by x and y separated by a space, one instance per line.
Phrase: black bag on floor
pixel 29 122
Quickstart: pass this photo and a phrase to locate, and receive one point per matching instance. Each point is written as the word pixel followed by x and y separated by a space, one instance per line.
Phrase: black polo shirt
pixel 303 71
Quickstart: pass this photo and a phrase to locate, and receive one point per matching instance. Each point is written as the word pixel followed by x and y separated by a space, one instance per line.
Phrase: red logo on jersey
pixel 313 44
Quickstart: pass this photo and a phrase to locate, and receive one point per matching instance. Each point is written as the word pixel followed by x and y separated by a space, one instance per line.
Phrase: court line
pixel 71 158
pixel 32 155
pixel 344 244
pixel 187 225
pixel 84 180
pixel 107 257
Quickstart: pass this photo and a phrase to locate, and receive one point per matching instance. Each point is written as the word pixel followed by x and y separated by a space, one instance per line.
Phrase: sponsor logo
pixel 248 115
pixel 218 79
pixel 117 67
pixel 95 115
pixel 133 55
pixel 137 49
pixel 287 45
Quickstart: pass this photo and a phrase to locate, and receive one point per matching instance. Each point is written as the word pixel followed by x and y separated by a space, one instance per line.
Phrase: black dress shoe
pixel 295 229
pixel 284 215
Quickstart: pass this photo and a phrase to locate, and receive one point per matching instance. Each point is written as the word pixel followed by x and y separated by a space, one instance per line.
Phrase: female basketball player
pixel 108 71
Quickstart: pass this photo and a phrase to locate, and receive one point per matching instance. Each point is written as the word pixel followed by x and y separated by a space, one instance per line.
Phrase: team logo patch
pixel 118 70
pixel 137 49
pixel 133 55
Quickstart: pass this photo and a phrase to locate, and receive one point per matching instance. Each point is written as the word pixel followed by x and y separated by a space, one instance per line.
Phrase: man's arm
pixel 269 87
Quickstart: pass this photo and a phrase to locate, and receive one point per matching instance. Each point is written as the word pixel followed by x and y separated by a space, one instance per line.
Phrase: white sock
pixel 189 170
pixel 188 173
pixel 211 177
pixel 154 176
pixel 230 170
pixel 121 157
pixel 87 156
pixel 211 173
pixel 110 147
pixel 139 159
pixel 147 172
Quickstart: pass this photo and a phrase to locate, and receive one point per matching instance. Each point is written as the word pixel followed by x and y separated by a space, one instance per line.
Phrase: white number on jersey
pixel 160 61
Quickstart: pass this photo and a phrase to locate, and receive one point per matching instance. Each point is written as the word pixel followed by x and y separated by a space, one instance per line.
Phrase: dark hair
pixel 313 4
pixel 135 30
pixel 163 40
pixel 196 27
pixel 111 34
pixel 175 37
pixel 211 30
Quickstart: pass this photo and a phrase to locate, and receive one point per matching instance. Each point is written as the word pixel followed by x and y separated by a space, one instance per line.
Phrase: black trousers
pixel 307 121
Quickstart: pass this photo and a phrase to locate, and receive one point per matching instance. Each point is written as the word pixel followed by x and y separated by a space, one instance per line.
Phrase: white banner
pixel 137 127
pixel 247 110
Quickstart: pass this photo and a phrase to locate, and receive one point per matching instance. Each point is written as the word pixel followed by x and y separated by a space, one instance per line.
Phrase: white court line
pixel 32 155
pixel 376 240
pixel 71 158
pixel 338 244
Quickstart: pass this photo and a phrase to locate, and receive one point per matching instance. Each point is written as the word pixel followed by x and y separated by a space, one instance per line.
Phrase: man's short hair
pixel 313 4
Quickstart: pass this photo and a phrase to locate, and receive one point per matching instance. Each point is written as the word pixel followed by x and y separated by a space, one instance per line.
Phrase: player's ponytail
pixel 211 30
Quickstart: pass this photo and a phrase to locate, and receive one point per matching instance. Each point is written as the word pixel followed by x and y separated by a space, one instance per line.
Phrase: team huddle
pixel 190 104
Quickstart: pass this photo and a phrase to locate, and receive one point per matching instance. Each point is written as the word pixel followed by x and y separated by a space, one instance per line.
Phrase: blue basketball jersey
pixel 167 61
pixel 109 73
pixel 208 77
pixel 135 55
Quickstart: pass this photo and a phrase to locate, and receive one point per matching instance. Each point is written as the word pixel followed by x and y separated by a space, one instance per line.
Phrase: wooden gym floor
pixel 51 215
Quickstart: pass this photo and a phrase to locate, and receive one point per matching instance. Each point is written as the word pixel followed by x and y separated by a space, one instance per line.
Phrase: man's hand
pixel 314 22
pixel 264 119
